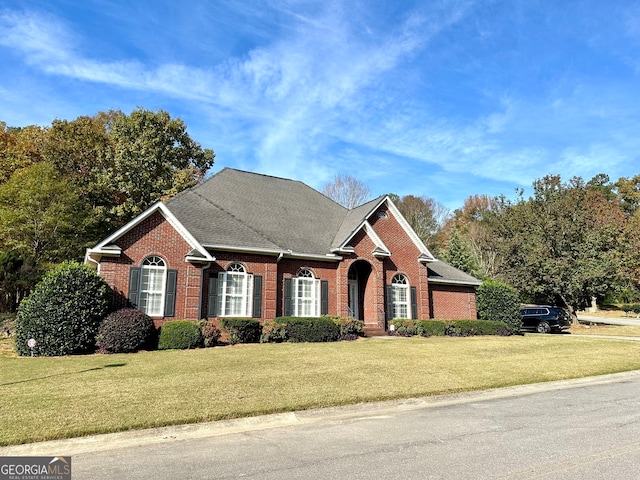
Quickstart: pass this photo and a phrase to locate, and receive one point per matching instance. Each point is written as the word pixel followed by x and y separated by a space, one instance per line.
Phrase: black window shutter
pixel 170 293
pixel 257 296
pixel 288 301
pixel 134 286
pixel 213 297
pixel 414 303
pixel 324 297
pixel 389 302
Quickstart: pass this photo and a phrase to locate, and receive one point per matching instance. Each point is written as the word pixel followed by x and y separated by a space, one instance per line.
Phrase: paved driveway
pixel 631 321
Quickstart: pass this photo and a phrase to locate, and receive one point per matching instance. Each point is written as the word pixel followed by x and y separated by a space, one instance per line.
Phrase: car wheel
pixel 543 327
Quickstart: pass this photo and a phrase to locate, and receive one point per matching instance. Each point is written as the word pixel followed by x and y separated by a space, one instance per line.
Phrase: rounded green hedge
pixel 63 313
pixel 179 335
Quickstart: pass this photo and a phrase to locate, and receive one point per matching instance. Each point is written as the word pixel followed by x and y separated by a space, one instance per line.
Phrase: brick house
pixel 249 245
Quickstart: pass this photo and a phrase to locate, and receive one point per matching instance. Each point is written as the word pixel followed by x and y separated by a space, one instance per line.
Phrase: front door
pixel 354 311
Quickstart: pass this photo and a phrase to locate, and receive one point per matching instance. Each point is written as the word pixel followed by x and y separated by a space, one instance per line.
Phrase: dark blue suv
pixel 544 318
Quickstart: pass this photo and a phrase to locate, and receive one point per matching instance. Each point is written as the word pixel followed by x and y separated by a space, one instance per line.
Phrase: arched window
pixel 152 286
pixel 235 292
pixel 400 296
pixel 306 294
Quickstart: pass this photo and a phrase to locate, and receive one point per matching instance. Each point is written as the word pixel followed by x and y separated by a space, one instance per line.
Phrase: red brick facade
pixel 155 236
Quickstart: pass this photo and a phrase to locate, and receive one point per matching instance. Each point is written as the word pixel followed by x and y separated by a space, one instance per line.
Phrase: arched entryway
pixel 359 279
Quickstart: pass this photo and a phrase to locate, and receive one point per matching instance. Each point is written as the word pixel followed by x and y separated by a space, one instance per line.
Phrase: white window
pixel 306 294
pixel 400 296
pixel 235 292
pixel 152 286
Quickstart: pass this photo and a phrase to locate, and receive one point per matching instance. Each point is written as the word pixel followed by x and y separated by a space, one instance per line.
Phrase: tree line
pixel 65 186
pixel 567 243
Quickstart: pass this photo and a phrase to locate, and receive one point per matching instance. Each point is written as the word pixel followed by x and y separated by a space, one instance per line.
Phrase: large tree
pixel 348 191
pixel 426 216
pixel 64 187
pixel 474 225
pixel 19 148
pixel 38 212
pixel 122 164
pixel 561 245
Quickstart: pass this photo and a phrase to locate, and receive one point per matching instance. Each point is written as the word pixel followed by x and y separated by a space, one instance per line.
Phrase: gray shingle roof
pixel 241 209
pixel 244 209
pixel 441 272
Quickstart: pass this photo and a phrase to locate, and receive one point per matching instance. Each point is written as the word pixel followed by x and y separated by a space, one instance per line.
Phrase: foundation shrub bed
pixel 180 335
pixel 126 330
pixel 273 332
pixel 309 329
pixel 451 328
pixel 210 333
pixel 241 330
pixel 350 328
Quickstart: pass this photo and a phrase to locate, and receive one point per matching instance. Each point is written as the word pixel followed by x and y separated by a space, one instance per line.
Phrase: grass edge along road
pixel 61 397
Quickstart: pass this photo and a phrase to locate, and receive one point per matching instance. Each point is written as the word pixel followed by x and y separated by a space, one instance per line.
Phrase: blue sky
pixel 438 98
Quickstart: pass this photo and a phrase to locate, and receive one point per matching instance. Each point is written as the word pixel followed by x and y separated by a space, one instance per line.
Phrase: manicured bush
pixel 242 330
pixel 126 330
pixel 500 302
pixel 452 328
pixel 63 313
pixel 210 333
pixel 179 335
pixel 310 329
pixel 273 332
pixel 432 328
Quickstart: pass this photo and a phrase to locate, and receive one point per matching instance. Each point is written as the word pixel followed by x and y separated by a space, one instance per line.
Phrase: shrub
pixel 126 330
pixel 350 328
pixel 179 335
pixel 630 308
pixel 499 302
pixel 452 328
pixel 432 328
pixel 402 327
pixel 310 329
pixel 63 313
pixel 273 332
pixel 241 330
pixel 210 333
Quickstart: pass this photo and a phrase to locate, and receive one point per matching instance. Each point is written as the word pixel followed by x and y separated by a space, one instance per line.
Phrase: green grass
pixel 49 398
pixel 615 330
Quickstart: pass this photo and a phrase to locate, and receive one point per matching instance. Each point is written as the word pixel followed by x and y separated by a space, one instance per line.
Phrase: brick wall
pixel 452 302
pixel 155 236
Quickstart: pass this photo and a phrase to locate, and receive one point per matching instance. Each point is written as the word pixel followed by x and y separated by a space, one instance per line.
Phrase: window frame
pixel 400 287
pixel 227 281
pixel 151 264
pixel 306 283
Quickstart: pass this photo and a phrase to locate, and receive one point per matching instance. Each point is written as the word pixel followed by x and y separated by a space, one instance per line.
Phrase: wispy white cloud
pixel 327 87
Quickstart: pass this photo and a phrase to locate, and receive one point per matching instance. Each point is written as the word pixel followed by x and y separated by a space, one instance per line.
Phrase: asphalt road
pixel 584 429
pixel 631 321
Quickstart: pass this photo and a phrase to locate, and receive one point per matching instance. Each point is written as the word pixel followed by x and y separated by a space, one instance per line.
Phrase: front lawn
pixel 47 398
pixel 612 330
